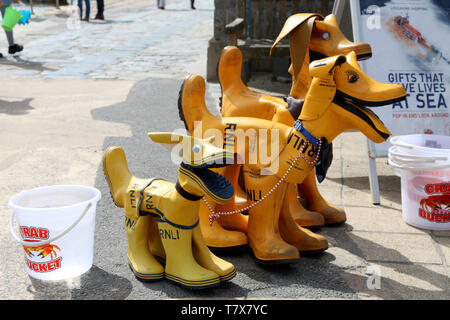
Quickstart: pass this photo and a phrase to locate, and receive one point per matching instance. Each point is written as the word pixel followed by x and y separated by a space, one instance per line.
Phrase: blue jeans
pixel 100 6
pixel 88 8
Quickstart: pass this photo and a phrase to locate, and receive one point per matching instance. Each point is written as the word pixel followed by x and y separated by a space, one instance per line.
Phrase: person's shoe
pixel 85 19
pixel 162 8
pixel 1 55
pixel 15 48
pixel 99 17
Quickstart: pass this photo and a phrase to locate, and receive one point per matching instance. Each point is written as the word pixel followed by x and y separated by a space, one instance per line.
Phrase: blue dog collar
pixel 300 128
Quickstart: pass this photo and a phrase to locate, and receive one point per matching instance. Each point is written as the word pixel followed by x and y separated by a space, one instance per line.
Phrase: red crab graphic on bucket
pixel 36 255
pixel 436 207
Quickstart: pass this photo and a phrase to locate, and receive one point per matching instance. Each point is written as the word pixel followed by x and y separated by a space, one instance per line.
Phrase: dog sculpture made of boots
pixel 336 102
pixel 311 36
pixel 162 217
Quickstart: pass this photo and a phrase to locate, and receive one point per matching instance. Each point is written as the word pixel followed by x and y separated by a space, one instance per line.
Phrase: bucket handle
pixel 41 243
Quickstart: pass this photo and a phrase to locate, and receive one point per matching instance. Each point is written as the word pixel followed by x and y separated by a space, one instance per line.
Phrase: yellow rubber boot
pixel 303 239
pixel 332 214
pixel 263 233
pixel 237 221
pixel 154 242
pixel 215 235
pixel 208 260
pixel 302 216
pixel 141 261
pixel 181 266
pixel 144 266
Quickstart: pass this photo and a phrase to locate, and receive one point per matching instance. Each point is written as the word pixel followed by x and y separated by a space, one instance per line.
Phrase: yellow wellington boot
pixel 154 242
pixel 306 241
pixel 303 217
pixel 237 221
pixel 208 260
pixel 332 214
pixel 144 266
pixel 263 234
pixel 215 235
pixel 181 266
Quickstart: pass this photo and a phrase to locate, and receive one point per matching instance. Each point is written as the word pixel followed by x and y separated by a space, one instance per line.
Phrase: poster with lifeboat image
pixel 410 46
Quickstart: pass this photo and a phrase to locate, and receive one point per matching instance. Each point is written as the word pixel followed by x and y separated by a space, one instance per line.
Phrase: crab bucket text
pixel 33 234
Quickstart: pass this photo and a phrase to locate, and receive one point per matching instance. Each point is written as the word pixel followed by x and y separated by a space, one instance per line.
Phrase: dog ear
pixel 299 28
pixel 166 137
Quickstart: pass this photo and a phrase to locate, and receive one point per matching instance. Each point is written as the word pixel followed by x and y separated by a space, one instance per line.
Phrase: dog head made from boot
pixel 308 33
pixel 337 101
pixel 198 157
pixel 312 37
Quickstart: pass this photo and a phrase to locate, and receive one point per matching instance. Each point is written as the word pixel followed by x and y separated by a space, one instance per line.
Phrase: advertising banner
pixel 410 43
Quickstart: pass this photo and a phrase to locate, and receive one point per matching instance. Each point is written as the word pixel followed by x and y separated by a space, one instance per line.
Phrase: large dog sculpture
pixel 311 36
pixel 162 217
pixel 334 103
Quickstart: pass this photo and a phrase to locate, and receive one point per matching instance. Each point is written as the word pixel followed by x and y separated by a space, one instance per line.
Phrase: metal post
pixel 249 19
pixel 371 152
pixel 31 7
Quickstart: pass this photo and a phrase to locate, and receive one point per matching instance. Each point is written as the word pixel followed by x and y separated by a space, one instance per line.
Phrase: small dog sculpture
pixel 162 217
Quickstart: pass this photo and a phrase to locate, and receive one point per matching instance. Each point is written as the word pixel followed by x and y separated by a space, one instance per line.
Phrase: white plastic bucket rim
pixel 404 154
pixel 404 161
pixel 15 207
pixel 97 196
pixel 401 141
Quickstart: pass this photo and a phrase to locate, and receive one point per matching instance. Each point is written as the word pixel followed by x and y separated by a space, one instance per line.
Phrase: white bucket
pixel 423 163
pixel 57 226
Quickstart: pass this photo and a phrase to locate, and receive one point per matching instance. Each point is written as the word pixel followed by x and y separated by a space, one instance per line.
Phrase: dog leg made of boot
pixel 332 214
pixel 263 233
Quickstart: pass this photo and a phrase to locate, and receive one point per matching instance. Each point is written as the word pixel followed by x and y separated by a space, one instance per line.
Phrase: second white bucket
pixel 56 226
pixel 423 163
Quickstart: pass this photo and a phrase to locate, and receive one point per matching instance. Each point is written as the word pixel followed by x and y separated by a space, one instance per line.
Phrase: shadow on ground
pixel 16 108
pixel 18 62
pixel 96 284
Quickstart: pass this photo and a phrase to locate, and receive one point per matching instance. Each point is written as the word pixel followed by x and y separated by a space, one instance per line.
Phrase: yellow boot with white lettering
pixel 188 260
pixel 144 266
pixel 141 261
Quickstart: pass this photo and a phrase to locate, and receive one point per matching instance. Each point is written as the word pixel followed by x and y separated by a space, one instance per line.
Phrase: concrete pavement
pixel 73 93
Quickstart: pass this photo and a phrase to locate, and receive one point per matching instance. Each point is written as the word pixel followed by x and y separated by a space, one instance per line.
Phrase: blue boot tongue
pixel 213 184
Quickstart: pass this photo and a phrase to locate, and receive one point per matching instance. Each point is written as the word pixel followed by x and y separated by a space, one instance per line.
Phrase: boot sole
pixel 272 262
pixel 201 284
pixel 228 276
pixel 147 277
pixel 275 262
pixel 219 250
pixel 335 224
pixel 313 228
pixel 308 253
